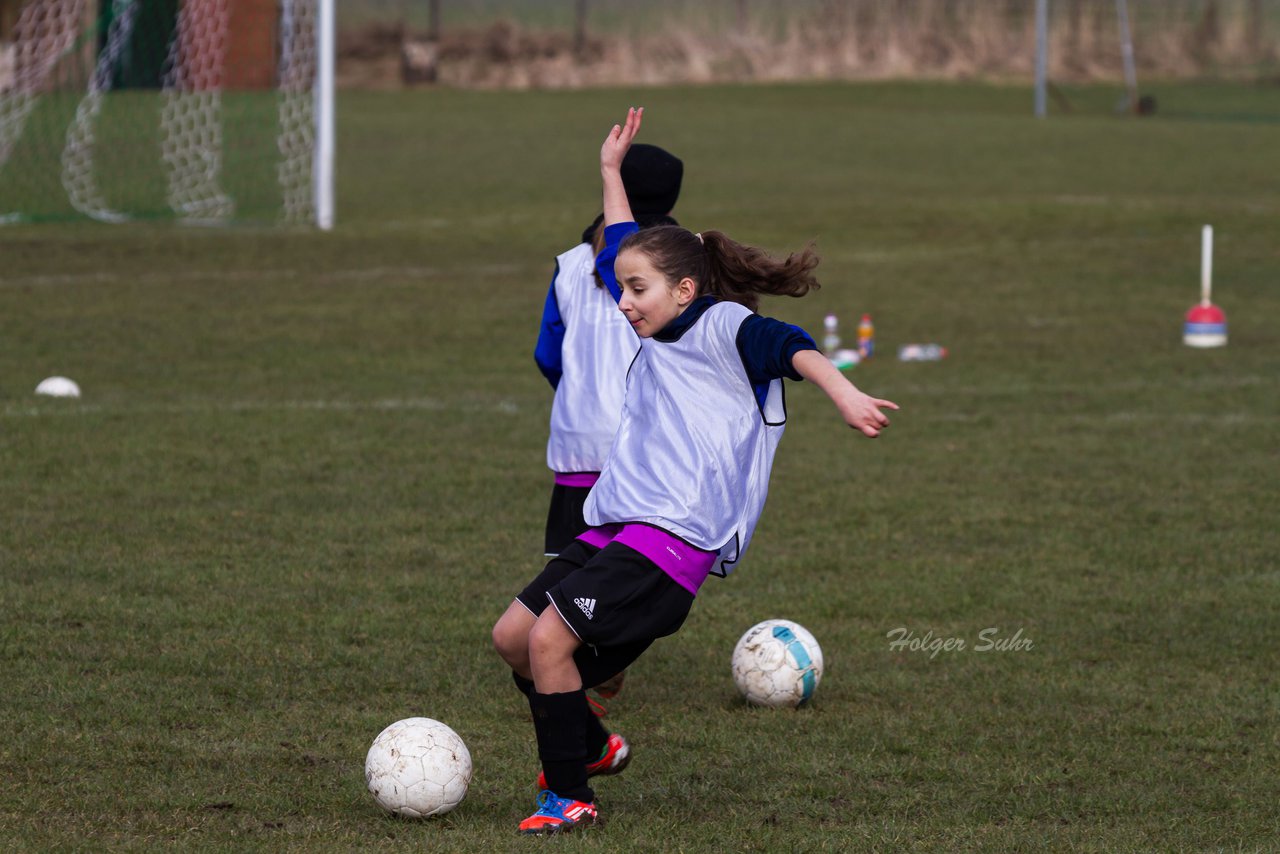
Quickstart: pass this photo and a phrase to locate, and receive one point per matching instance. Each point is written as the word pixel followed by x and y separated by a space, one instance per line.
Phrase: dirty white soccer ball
pixel 777 663
pixel 418 767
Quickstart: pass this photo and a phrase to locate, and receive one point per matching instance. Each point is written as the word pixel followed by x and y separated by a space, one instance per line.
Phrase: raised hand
pixel 619 140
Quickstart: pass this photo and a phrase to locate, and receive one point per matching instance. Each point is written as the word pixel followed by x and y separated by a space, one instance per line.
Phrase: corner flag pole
pixel 1126 52
pixel 1042 56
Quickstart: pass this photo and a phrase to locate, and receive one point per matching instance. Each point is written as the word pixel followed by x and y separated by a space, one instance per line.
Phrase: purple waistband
pixel 600 536
pixel 577 478
pixel 686 565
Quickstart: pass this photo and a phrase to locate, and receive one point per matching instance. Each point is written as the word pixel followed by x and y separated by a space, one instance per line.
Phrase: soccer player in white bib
pixel 685 479
pixel 584 349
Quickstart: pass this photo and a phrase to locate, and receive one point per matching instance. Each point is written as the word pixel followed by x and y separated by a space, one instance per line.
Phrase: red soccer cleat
pixel 558 815
pixel 614 758
pixel 609 688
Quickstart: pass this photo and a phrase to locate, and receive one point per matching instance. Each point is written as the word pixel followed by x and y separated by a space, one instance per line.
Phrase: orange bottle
pixel 866 337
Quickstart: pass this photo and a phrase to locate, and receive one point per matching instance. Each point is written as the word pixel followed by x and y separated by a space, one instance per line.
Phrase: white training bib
pixel 596 352
pixel 695 448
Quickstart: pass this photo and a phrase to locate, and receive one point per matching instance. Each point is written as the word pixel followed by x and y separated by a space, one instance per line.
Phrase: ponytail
pixel 742 273
pixel 724 268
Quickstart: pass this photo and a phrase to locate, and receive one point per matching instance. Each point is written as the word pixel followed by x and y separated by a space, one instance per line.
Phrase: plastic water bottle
pixel 921 352
pixel 831 334
pixel 866 337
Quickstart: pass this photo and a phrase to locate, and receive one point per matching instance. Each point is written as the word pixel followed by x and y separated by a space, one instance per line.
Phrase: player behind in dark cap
pixel 585 347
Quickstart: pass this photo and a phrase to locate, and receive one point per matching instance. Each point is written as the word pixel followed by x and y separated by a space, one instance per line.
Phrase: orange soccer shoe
pixel 558 815
pixel 609 688
pixel 614 758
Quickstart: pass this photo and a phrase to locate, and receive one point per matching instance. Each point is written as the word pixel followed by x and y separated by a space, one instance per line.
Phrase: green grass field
pixel 307 474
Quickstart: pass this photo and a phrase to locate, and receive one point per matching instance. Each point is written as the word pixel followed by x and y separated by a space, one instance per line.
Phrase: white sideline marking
pixel 508 407
pixel 1216 419
pixel 289 273
pixel 421 404
pixel 1089 391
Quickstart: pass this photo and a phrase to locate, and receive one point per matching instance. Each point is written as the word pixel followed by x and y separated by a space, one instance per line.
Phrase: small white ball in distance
pixel 777 663
pixel 58 387
pixel 418 767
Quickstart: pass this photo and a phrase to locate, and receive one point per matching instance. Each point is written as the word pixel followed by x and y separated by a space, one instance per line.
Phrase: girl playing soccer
pixel 683 486
pixel 585 347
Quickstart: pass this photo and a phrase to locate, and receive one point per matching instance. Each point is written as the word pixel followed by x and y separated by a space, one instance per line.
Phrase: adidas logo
pixel 579 810
pixel 588 606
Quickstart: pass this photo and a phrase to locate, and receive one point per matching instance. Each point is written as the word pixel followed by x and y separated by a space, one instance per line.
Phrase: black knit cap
pixel 652 177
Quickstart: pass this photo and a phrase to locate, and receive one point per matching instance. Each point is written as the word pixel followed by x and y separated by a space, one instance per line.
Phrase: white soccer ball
pixel 418 767
pixel 777 663
pixel 58 387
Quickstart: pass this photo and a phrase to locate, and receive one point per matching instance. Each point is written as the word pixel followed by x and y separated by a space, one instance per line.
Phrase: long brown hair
pixel 595 235
pixel 722 267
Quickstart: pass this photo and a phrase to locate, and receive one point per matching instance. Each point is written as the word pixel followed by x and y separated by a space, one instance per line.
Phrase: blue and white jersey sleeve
pixel 768 346
pixel 547 353
pixel 613 237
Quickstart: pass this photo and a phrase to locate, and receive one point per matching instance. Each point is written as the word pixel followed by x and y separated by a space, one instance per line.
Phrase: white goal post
pixel 203 111
pixel 1131 102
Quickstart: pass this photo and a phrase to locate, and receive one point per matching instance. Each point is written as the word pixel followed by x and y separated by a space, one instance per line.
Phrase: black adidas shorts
pixel 612 596
pixel 564 518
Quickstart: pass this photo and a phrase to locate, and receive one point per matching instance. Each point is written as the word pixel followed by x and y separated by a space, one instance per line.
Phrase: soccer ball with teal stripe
pixel 777 663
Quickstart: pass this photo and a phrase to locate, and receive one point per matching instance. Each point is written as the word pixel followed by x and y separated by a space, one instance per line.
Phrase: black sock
pixel 559 720
pixel 597 735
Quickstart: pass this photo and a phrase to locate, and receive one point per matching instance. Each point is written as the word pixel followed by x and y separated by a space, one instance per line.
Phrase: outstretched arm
pixel 616 207
pixel 860 411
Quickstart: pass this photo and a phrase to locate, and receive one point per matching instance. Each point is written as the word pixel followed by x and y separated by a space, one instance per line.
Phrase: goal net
pixel 204 111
